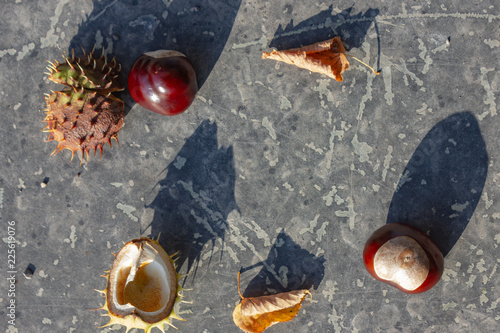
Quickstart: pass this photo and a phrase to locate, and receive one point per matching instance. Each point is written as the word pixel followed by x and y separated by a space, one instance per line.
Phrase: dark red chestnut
pixel 403 257
pixel 163 81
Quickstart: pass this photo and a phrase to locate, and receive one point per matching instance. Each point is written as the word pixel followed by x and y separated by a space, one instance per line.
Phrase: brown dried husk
pixel 83 120
pixel 85 115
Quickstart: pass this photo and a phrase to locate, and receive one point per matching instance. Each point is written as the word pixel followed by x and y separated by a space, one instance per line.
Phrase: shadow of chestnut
pixel 443 181
pixel 195 197
pixel 126 29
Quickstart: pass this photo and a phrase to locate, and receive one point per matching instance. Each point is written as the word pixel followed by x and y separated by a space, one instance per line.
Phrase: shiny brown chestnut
pixel 163 81
pixel 403 257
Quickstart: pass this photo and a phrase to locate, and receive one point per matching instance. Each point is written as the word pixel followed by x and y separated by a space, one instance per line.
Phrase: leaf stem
pixel 370 67
pixel 239 291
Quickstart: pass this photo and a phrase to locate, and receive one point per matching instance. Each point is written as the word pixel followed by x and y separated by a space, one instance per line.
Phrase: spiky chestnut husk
pixel 84 116
pixel 87 72
pixel 82 120
pixel 142 289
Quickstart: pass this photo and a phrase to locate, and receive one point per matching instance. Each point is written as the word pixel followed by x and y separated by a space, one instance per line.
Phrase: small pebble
pixel 44 183
pixel 30 270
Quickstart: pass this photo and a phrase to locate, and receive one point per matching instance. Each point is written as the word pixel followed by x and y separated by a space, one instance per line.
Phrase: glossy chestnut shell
pixel 414 255
pixel 163 81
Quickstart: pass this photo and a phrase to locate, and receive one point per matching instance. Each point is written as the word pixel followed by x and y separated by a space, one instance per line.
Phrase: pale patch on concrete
pixel 8 51
pixel 406 72
pixel 329 290
pixel 127 210
pixel 328 198
pixel 349 213
pixel 285 103
pixel 460 207
pixel 489 99
pixel 387 162
pixel 25 51
pixel 179 162
pixel 312 146
pixel 424 56
pixel 362 149
pixel 487 202
pixel 269 126
pixel 51 38
pixel 492 43
pixel 448 306
pixel 72 237
pixel 324 92
pixel 335 320
pixel 424 110
pixel 387 76
pixel 448 274
pixel 259 232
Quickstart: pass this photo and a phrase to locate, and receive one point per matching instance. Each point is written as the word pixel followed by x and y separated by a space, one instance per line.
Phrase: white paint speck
pixel 335 320
pixel 329 197
pixel 492 43
pixel 127 210
pixel 490 98
pixel 26 49
pixel 387 162
pixel 179 162
pixel 460 207
pixel 362 149
pixel 51 38
pixel 72 237
pixel 330 289
pixel 269 126
pixel 483 298
pixel 285 103
pixel 447 306
pixel 349 213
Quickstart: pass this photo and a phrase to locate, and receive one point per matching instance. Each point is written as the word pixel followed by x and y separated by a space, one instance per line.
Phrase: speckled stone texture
pixel 275 171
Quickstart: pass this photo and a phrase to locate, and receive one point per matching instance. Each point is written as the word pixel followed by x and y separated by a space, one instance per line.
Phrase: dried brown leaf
pixel 327 57
pixel 255 314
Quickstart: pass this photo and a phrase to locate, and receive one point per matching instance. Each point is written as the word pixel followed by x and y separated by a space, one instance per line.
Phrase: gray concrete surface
pixel 273 170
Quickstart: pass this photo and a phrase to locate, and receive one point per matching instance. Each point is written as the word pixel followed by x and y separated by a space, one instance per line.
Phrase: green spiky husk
pixel 87 72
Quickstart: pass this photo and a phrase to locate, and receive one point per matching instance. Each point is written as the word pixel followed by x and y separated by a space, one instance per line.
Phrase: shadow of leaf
pixel 287 267
pixel 443 181
pixel 325 25
pixel 196 196
pixel 128 28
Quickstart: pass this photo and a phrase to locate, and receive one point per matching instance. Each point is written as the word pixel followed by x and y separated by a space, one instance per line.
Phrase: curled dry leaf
pixel 255 314
pixel 327 57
